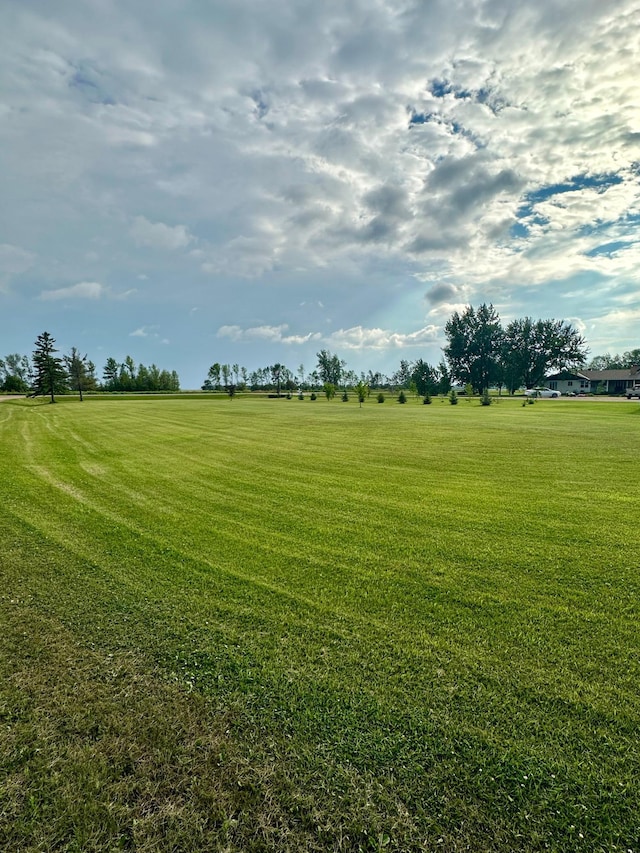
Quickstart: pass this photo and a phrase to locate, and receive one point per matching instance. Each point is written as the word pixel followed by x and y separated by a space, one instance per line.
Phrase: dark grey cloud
pixel 388 200
pixel 442 294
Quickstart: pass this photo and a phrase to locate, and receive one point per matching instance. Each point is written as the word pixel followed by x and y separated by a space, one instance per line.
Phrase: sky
pixel 247 182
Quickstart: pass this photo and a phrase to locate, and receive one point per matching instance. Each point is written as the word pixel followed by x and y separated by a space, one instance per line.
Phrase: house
pixel 570 382
pixel 614 381
pixel 590 381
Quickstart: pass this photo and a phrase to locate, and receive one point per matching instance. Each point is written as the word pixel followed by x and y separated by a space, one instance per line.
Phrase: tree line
pixel 48 373
pixel 480 353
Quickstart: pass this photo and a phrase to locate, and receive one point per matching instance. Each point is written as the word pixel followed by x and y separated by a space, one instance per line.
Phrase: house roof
pixel 604 375
pixel 568 374
pixel 629 373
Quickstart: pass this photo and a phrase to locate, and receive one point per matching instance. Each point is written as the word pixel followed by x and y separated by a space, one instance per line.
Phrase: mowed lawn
pixel 272 625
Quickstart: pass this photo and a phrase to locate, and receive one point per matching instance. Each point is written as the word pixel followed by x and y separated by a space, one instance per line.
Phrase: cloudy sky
pixel 190 181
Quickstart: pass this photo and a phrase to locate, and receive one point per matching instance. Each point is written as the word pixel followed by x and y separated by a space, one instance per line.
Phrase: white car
pixel 541 392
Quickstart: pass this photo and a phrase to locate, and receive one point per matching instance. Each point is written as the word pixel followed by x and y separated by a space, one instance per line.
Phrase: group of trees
pixel 47 373
pixel 16 374
pixel 482 353
pixel 128 377
pixel 628 359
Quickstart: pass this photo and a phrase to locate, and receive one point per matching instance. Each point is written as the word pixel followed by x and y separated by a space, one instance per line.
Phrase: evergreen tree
pixel 78 371
pixel 50 376
pixel 110 375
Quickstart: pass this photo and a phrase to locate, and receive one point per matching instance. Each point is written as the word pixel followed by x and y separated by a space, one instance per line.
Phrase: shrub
pixel 485 400
pixel 345 397
pixel 381 397
pixel 402 397
pixel 288 395
pixel 427 399
pixel 314 396
pixel 301 396
pixel 453 397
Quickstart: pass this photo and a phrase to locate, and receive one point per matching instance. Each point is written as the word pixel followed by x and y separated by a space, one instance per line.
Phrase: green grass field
pixel 271 625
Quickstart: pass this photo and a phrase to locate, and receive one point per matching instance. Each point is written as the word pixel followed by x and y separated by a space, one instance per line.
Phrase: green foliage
pixel 15 374
pixel 50 377
pixel 468 391
pixel 126 377
pixel 329 390
pixel 530 350
pixel 300 396
pixel 453 397
pixel 314 396
pixel 474 341
pixel 14 385
pixel 402 397
pixel 481 352
pixel 426 377
pixel 427 399
pixel 330 368
pixel 380 397
pixel 80 371
pixel 628 359
pixel 362 390
pixel 345 396
pixel 485 400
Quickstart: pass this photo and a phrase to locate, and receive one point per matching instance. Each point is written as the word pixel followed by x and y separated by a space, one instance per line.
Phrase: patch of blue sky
pixel 518 231
pixel 90 89
pixel 421 118
pixel 576 183
pixel 440 88
pixel 416 119
pixel 484 95
pixel 609 249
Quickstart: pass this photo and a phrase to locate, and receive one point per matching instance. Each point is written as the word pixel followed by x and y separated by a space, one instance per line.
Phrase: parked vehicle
pixel 633 392
pixel 541 392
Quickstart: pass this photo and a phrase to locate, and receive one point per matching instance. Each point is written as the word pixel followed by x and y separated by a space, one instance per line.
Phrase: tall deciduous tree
pixel 277 371
pixel 15 373
pixel 628 359
pixel 531 349
pixel 50 376
pixel 425 376
pixel 330 368
pixel 214 375
pixel 474 346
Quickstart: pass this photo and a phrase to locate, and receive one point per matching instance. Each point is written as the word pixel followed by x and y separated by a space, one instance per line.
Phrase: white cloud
pixel 141 332
pixel 267 334
pixel 157 235
pixel 359 338
pixel 355 338
pixel 82 290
